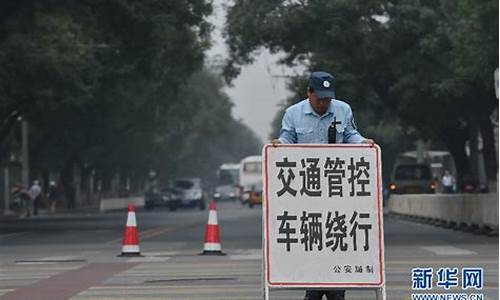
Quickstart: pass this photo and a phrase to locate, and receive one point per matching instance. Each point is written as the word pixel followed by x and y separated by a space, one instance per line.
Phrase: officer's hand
pixel 368 141
pixel 275 142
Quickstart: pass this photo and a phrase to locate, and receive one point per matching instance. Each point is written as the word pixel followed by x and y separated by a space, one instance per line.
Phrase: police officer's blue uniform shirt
pixel 302 125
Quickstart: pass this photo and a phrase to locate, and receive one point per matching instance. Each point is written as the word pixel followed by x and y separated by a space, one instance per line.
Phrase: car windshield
pixel 184 184
pixel 413 172
pixel 252 167
pixel 228 176
pixel 168 190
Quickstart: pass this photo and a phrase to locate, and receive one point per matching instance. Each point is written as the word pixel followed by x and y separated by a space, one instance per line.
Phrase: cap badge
pixel 326 83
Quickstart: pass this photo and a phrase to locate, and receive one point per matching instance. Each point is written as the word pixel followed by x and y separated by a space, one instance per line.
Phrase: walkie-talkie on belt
pixel 332 131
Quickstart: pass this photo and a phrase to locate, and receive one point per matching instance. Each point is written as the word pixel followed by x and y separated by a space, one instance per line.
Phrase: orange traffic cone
pixel 212 244
pixel 130 244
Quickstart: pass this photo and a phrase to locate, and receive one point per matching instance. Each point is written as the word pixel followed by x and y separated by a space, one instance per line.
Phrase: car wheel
pixel 202 205
pixel 172 207
pixel 149 207
pixel 250 205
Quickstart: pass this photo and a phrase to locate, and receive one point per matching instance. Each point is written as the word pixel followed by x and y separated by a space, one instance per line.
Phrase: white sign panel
pixel 323 215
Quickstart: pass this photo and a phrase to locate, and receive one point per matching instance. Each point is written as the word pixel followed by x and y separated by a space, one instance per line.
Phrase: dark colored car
pixel 166 196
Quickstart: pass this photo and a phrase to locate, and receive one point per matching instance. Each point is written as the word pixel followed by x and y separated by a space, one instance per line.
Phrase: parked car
pixel 166 196
pixel 191 192
pixel 412 179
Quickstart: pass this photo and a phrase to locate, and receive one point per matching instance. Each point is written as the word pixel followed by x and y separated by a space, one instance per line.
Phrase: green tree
pixel 207 135
pixel 411 65
pixel 88 75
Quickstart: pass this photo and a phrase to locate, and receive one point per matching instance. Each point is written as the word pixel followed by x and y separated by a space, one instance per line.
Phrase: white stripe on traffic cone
pixel 212 245
pixel 130 244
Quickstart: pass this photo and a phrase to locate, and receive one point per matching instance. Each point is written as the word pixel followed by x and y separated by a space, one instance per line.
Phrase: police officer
pixel 320 119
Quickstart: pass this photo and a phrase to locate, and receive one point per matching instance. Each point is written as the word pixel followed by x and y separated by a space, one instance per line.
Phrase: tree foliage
pixel 423 67
pixel 114 86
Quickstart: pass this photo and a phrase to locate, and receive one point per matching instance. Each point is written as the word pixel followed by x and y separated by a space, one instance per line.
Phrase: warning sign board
pixel 322 215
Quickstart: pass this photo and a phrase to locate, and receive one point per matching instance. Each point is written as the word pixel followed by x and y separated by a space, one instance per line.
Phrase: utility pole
pixel 420 153
pixel 25 167
pixel 6 192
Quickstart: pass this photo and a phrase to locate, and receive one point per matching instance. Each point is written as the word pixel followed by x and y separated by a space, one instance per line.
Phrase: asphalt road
pixel 74 256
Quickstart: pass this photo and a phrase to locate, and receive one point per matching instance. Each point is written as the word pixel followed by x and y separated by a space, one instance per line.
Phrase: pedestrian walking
pixel 320 119
pixel 22 200
pixel 448 182
pixel 35 193
pixel 53 196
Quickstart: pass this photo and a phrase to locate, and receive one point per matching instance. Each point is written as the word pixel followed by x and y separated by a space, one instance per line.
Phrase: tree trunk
pixel 77 181
pixel 455 138
pixel 489 152
pixel 68 185
pixel 473 145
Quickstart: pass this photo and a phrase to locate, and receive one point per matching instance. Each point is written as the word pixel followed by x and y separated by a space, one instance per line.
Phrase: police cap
pixel 322 84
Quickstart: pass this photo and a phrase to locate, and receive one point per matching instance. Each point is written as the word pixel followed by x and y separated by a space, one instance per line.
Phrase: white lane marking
pixel 49 260
pixel 8 235
pixel 246 254
pixel 448 250
pixel 165 253
pixel 36 263
pixel 147 259
pixel 5 291
pixel 61 258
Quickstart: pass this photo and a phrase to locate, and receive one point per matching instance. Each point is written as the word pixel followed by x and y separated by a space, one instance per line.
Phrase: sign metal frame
pixel 267 284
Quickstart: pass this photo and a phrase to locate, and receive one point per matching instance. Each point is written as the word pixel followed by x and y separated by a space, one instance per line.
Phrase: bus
pixel 228 173
pixel 251 180
pixel 227 186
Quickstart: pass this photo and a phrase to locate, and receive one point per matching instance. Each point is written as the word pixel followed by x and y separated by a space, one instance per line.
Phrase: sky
pixel 259 89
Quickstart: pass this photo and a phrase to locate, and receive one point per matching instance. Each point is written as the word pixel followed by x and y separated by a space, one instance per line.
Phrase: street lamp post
pixel 6 194
pixel 24 166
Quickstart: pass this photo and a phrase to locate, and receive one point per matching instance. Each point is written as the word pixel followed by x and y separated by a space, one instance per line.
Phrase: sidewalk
pixel 45 213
